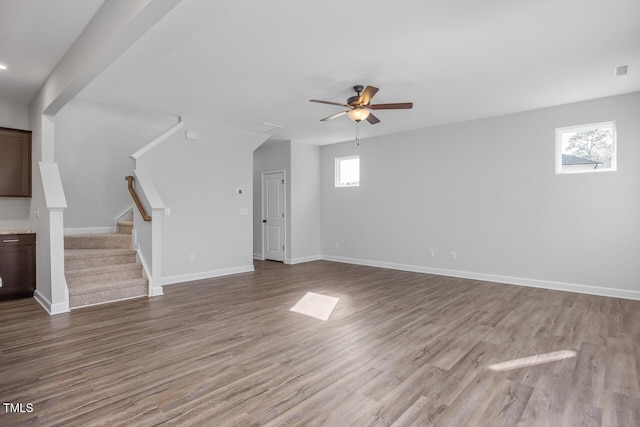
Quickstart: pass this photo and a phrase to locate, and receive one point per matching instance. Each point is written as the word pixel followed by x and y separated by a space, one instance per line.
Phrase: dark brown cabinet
pixel 17 265
pixel 15 163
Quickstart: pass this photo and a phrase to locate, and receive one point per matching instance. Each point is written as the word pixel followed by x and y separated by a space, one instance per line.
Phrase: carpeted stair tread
pixel 79 300
pixel 125 227
pixel 102 273
pixel 94 253
pixel 85 258
pixel 98 241
pixel 102 268
pixel 100 287
pixel 70 272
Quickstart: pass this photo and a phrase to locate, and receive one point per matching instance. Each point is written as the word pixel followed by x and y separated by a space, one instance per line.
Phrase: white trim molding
pixel 107 302
pixel 518 281
pixel 154 290
pixel 135 156
pixel 300 260
pixel 170 280
pixel 50 308
pixel 259 257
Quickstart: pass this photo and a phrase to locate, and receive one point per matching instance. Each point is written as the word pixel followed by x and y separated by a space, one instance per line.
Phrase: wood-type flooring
pixel 401 349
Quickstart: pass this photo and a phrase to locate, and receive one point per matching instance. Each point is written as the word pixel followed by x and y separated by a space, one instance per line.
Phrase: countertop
pixel 20 231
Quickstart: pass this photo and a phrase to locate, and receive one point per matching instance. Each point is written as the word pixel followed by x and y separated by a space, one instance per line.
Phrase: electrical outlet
pixel 337 245
pixel 192 258
pixel 454 256
pixel 432 253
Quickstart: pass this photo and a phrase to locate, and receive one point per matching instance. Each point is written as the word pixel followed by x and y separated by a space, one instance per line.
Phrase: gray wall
pixel 197 181
pixel 305 202
pixel 14 212
pixel 488 190
pixel 301 163
pixel 271 156
pixel 92 149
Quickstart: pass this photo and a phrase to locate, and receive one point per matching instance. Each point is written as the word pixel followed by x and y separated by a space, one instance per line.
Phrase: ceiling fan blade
pixel 341 113
pixel 367 94
pixel 395 106
pixel 328 102
pixel 373 119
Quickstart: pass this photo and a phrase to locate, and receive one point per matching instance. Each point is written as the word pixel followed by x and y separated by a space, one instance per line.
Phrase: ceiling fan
pixel 359 106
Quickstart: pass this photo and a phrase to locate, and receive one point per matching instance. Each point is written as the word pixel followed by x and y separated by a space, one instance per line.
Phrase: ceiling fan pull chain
pixel 358 133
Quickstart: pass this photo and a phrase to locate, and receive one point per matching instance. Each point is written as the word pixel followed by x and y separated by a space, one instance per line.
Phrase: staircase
pixel 102 268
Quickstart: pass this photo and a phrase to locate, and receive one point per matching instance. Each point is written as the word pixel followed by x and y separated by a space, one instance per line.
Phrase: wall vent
pixel 263 127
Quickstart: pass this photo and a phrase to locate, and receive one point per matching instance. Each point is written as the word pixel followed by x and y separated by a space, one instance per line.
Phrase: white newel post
pixel 150 231
pixel 59 289
pixel 155 287
pixel 56 204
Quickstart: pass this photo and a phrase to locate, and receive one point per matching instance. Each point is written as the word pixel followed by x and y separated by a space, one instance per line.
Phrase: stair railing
pixel 136 199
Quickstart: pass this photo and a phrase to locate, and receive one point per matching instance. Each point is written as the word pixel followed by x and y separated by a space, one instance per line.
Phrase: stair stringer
pixel 155 289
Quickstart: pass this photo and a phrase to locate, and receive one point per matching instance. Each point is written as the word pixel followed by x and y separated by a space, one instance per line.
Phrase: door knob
pixel 264 220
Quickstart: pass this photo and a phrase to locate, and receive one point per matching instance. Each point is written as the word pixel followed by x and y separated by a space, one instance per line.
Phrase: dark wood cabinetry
pixel 17 265
pixel 15 163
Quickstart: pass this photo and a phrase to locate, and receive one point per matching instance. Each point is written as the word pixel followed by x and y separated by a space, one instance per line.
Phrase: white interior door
pixel 273 215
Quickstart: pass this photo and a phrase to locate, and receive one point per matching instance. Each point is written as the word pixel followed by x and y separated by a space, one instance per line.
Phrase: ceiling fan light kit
pixel 358 114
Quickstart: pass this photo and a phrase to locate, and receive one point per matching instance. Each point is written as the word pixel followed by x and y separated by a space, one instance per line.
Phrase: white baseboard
pixel 519 281
pixel 169 280
pixel 48 306
pixel 89 230
pixel 300 260
pixel 259 257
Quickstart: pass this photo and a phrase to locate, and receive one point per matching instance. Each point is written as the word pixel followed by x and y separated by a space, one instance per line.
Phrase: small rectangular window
pixel 348 171
pixel 586 148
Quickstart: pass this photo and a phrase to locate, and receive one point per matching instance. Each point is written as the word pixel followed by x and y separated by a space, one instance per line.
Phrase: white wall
pixel 269 157
pixel 488 190
pixel 197 181
pixel 93 145
pixel 14 212
pixel 13 115
pixel 305 202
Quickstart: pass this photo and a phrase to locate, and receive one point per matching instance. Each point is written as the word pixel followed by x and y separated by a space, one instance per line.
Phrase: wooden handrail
pixel 136 200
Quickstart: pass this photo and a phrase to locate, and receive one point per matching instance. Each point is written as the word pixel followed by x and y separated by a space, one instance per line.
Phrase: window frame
pixel 337 169
pixel 614 156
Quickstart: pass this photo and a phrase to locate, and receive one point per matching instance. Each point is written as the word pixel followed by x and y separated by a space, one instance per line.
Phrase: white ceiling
pixel 34 36
pixel 243 62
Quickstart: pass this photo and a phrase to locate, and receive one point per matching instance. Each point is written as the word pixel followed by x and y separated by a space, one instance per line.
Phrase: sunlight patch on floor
pixel 538 359
pixel 316 305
